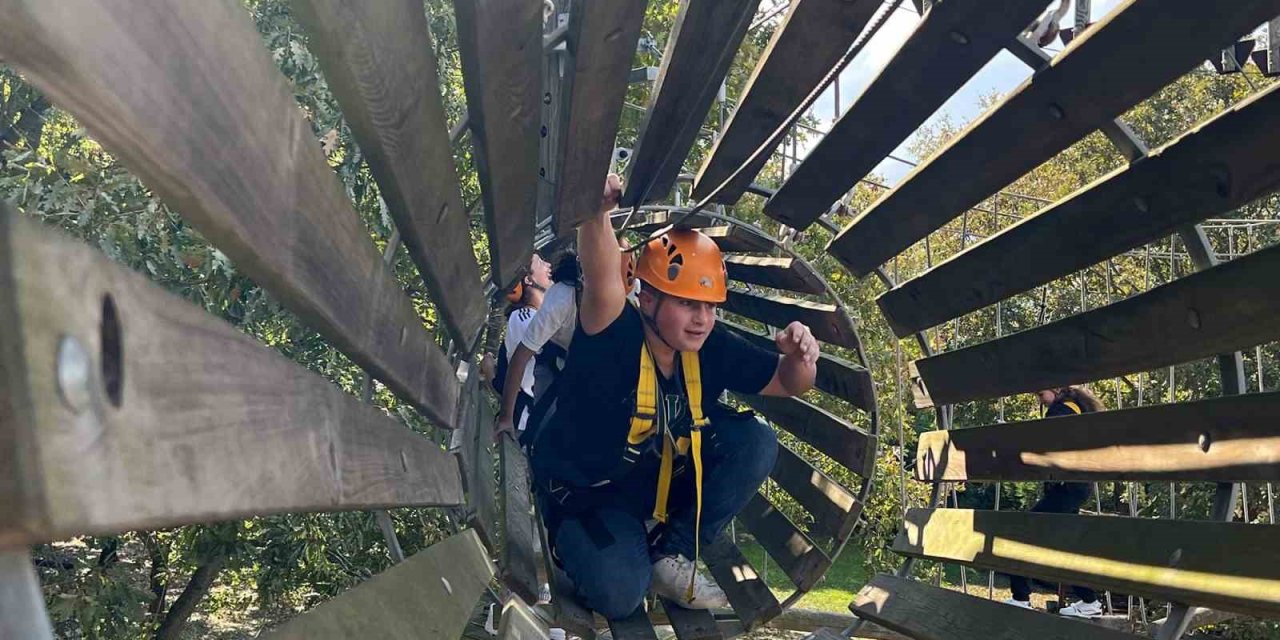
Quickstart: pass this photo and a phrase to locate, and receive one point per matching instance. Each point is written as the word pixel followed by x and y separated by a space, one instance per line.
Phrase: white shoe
pixel 671 576
pixel 1082 610
pixel 1025 604
pixel 544 595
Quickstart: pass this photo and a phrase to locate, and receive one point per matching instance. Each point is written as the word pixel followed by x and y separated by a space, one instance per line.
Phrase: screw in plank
pixel 73 369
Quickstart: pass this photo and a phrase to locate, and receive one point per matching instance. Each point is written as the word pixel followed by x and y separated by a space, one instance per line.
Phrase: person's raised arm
pixel 511 390
pixel 798 366
pixel 602 298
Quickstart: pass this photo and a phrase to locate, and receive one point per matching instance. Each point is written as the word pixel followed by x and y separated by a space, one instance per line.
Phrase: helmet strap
pixel 652 321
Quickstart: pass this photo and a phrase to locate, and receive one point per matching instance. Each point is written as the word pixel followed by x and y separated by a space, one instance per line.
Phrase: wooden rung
pixel 802 560
pixel 1227 439
pixel 520 623
pixel 836 376
pixel 736 239
pixel 655 220
pixel 1127 56
pixel 472 443
pixel 930 66
pixel 1230 566
pixel 188 97
pixel 691 624
pixel 748 594
pixel 519 548
pixel 778 273
pixel 1216 167
pixel 827 322
pixel 430 595
pixel 701 46
pixel 500 44
pixel 380 63
pixel 1218 310
pixel 167 415
pixel 808 43
pixel 844 443
pixel 835 511
pixel 603 37
pixel 925 612
pixel 633 627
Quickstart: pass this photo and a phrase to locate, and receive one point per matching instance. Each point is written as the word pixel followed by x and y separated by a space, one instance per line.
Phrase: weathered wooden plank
pixel 187 95
pixel 844 443
pixel 808 43
pixel 602 37
pixel 827 322
pixel 655 220
pixel 22 614
pixel 1216 167
pixel 430 595
pixel 1231 566
pixel 472 447
pixel 519 623
pixel 380 63
pixel 1227 439
pixel 950 44
pixel 633 627
pixel 836 376
pixel 124 407
pixel 802 560
pixel 1217 310
pixel 779 273
pixel 500 43
pixel 691 624
pixel 569 613
pixel 931 613
pixel 736 239
pixel 704 39
pixel 519 542
pixel 1136 49
pixel 750 597
pixel 835 511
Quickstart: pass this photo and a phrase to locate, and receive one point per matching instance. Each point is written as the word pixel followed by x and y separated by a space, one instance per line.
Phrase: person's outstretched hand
pixel 612 193
pixel 797 339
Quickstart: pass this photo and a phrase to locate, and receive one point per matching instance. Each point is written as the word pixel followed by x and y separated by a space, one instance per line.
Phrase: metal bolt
pixel 1193 318
pixel 1057 112
pixel 74 371
pixel 1205 441
pixel 959 38
pixel 1141 204
pixel 1175 558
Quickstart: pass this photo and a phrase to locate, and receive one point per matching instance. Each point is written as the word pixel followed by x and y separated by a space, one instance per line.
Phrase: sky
pixel 1000 76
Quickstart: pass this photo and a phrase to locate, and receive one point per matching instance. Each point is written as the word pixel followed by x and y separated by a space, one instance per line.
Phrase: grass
pixel 833 593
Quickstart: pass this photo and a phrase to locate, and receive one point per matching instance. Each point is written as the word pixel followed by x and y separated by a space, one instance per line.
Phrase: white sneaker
pixel 1082 610
pixel 544 594
pixel 671 576
pixel 1025 604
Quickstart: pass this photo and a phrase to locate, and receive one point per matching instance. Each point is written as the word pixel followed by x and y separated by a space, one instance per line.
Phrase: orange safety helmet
pixel 684 263
pixel 516 294
pixel 628 268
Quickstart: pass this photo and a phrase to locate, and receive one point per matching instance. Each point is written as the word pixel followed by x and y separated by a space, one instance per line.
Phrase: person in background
pixel 525 298
pixel 1062 497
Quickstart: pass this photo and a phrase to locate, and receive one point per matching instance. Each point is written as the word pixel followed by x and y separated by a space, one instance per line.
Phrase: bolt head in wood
pixel 959 37
pixel 74 370
pixel 1056 112
pixel 1193 318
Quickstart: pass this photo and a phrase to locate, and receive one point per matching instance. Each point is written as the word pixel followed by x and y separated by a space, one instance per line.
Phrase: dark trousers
pixel 607 552
pixel 1059 497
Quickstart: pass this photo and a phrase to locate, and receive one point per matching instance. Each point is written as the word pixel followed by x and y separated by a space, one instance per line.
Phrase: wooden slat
pixel 950 44
pixel 835 511
pixel 827 322
pixel 836 376
pixel 844 443
pixel 379 60
pixel 500 43
pixel 1228 439
pixel 735 239
pixel 804 48
pixel 520 623
pixel 473 442
pixel 633 627
pixel 1215 168
pixel 175 417
pixel 569 613
pixel 430 595
pixel 1231 566
pixel 602 37
pixel 802 560
pixel 1217 310
pixel 1138 48
pixel 750 597
pixel 931 613
pixel 519 548
pixel 655 220
pixel 779 273
pixel 704 38
pixel 22 614
pixel 691 624
pixel 187 95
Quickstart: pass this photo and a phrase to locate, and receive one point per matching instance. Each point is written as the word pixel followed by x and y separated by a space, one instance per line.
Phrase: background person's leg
pixel 606 554
pixel 738 454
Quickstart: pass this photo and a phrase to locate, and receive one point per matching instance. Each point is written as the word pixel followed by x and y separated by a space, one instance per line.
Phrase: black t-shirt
pixel 583 443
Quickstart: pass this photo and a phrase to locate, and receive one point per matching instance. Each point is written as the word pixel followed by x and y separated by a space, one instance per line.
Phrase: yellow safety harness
pixel 1073 406
pixel 643 427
